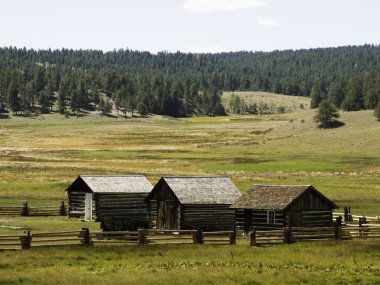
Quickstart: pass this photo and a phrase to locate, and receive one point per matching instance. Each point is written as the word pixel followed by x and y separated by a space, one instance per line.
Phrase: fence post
pixel 338 224
pixel 362 221
pixel 288 236
pixel 252 236
pixel 62 209
pixel 232 236
pixel 26 240
pixel 25 210
pixel 85 237
pixel 142 236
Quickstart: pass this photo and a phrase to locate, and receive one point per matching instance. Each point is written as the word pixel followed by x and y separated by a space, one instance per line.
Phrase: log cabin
pixel 109 198
pixel 177 203
pixel 268 206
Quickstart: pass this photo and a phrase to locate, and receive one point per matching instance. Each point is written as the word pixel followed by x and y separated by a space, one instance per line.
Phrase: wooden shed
pixel 284 205
pixel 192 203
pixel 110 196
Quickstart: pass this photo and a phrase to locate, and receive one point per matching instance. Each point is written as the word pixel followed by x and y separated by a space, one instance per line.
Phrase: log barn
pixel 268 206
pixel 177 203
pixel 110 197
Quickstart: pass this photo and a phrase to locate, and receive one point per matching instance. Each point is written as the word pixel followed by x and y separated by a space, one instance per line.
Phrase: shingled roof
pixel 114 183
pixel 202 189
pixel 274 197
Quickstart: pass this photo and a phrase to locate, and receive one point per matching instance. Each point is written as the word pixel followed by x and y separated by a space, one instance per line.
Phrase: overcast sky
pixel 188 25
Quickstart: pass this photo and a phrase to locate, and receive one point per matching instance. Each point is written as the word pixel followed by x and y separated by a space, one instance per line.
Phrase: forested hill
pixel 181 84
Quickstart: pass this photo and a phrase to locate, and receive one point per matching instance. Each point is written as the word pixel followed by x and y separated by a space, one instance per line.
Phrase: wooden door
pixel 88 207
pixel 167 218
pixel 247 221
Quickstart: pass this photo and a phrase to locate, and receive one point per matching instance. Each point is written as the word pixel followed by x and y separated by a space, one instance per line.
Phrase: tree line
pixel 182 84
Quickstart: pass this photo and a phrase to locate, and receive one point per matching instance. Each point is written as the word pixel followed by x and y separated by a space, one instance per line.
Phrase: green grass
pixel 290 103
pixel 40 157
pixel 311 263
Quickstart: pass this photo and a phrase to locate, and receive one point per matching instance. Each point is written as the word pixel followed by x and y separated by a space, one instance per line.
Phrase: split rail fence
pixel 300 234
pixel 26 210
pixel 113 238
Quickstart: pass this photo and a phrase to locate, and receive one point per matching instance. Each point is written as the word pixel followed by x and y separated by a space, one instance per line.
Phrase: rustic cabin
pixel 192 203
pixel 110 198
pixel 267 206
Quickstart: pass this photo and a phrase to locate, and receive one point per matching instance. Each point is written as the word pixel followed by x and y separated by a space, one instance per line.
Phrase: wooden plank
pixel 56 240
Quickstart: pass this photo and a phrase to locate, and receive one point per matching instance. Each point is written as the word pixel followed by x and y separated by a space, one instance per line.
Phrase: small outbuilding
pixel 110 197
pixel 285 205
pixel 177 203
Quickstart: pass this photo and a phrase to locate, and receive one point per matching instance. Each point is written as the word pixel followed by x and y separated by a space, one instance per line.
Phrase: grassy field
pixel 40 157
pixel 273 100
pixel 303 263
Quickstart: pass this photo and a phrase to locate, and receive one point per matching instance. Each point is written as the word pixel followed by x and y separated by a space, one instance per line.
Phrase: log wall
pixel 76 204
pixel 130 208
pixel 208 217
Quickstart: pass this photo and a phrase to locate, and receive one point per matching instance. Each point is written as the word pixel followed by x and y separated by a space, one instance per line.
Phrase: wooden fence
pixel 26 210
pixel 360 219
pixel 142 237
pixel 300 234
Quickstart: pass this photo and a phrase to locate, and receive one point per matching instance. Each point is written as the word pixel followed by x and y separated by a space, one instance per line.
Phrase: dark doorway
pixel 247 221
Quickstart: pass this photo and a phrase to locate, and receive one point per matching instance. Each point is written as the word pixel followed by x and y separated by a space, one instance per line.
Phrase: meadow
pixel 40 157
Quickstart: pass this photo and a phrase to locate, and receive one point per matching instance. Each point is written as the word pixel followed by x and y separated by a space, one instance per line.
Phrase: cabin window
pixel 271 217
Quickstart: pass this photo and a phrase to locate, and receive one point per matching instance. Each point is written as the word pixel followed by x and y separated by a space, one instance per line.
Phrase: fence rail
pixel 114 238
pixel 300 234
pixel 84 237
pixel 360 219
pixel 26 210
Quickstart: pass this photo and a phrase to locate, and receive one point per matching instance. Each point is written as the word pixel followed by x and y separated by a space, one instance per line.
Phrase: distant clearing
pixel 272 99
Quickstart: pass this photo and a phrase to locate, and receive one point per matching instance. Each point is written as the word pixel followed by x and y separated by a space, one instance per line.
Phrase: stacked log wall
pixel 260 219
pixel 208 217
pixel 129 207
pixel 76 204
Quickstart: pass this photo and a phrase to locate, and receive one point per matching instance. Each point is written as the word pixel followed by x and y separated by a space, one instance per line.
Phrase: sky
pixel 188 25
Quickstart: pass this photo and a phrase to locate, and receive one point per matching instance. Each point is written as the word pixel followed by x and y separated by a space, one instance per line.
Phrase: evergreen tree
pixel 63 95
pixel 43 100
pixel 13 97
pixel 316 95
pixel 377 111
pixel 371 90
pixel 336 93
pixel 354 98
pixel 105 106
pixel 327 114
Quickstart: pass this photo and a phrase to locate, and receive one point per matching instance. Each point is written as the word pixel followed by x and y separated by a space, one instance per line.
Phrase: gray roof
pixel 203 190
pixel 273 197
pixel 117 183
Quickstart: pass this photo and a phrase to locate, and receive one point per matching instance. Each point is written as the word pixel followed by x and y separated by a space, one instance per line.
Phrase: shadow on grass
pixel 333 125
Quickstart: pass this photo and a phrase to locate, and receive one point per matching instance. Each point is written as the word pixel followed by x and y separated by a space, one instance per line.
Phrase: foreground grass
pixel 303 263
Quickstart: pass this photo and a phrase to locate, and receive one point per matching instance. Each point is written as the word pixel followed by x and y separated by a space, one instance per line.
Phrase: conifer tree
pixel 327 114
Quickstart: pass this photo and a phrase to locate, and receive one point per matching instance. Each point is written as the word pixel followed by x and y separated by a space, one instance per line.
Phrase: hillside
pixel 181 84
pixel 273 100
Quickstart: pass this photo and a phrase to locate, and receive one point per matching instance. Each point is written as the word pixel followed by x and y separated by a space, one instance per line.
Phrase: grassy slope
pixel 272 99
pixel 40 157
